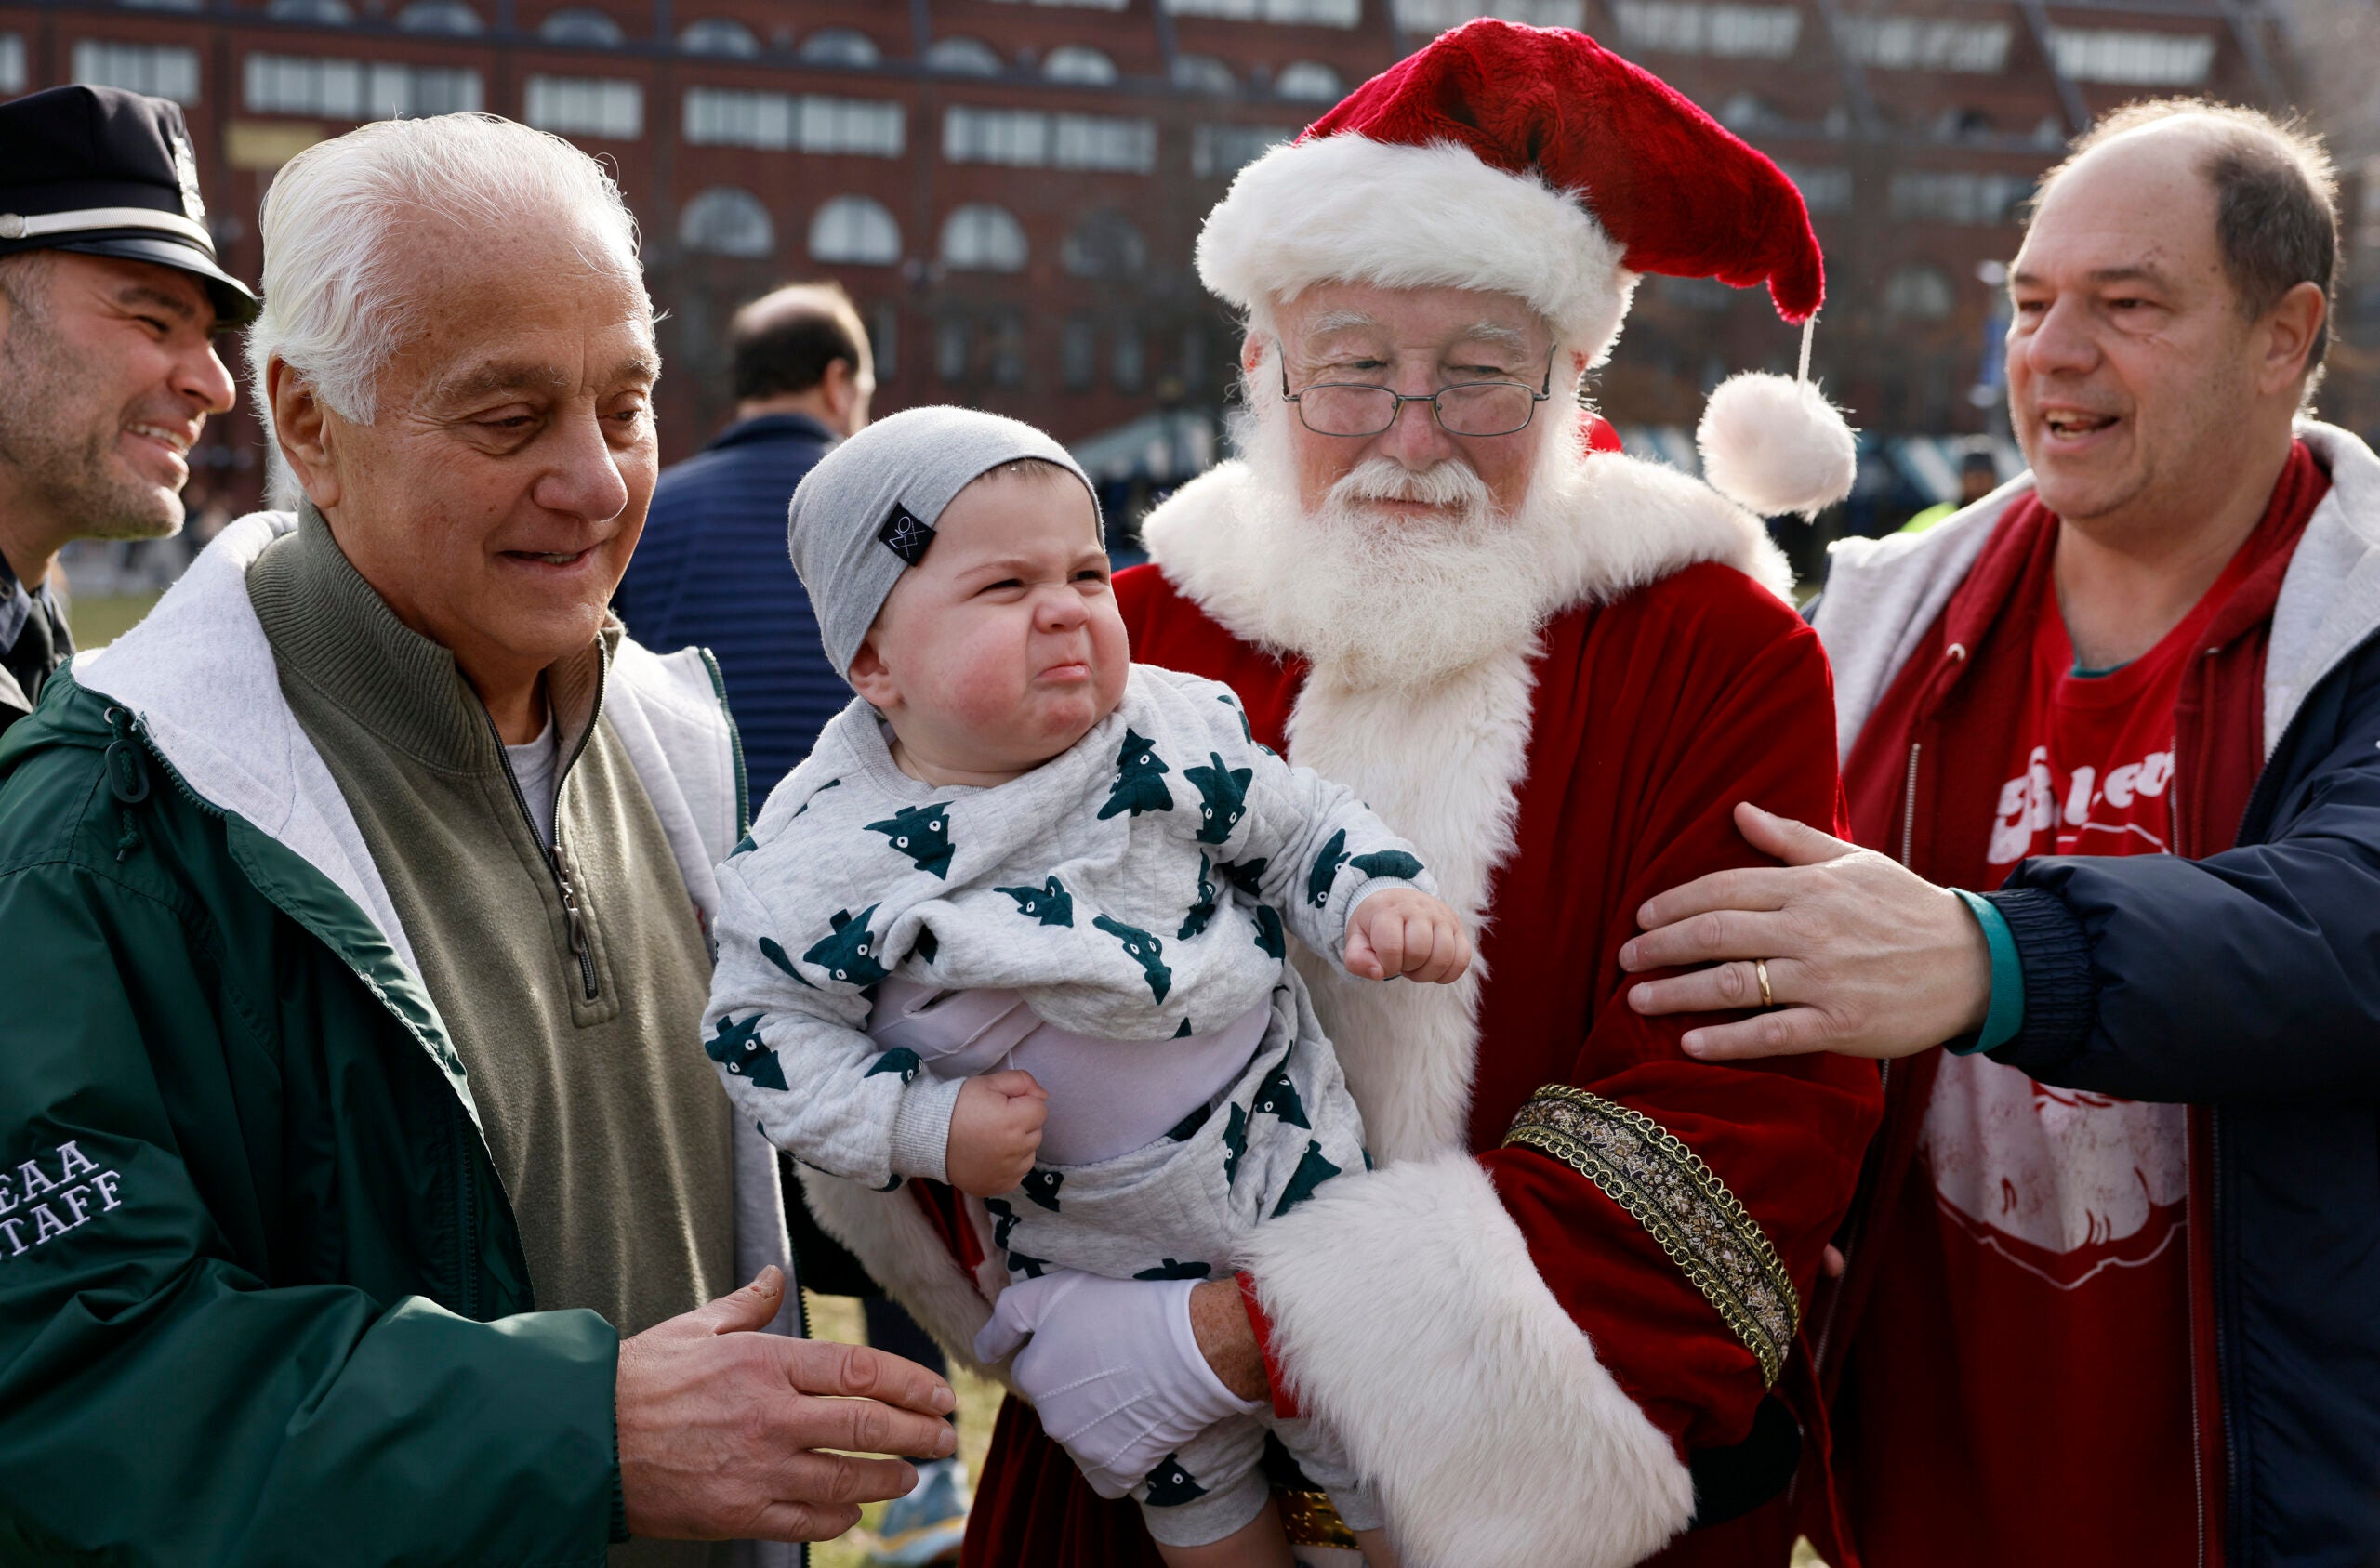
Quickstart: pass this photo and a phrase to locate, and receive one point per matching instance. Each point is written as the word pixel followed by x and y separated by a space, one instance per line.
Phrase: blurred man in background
pixel 109 299
pixel 713 569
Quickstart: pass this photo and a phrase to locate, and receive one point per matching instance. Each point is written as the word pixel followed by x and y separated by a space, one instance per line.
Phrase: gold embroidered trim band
pixel 1309 1520
pixel 1646 1169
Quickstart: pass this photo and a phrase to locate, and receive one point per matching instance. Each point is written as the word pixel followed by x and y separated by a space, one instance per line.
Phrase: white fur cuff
pixel 1409 1315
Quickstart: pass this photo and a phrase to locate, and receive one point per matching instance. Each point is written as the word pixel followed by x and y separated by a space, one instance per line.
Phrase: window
pixel 717 35
pixel 439 16
pixel 579 25
pixel 980 237
pixel 884 339
pixel 1204 73
pixel 1194 358
pixel 1428 17
pixel 1695 27
pixel 1084 5
pixel 950 345
pixel 1008 350
pixel 2135 58
pixel 12 62
pixel 1027 139
pixel 1105 246
pixel 1708 295
pixel 782 122
pixel 1958 196
pixel 322 13
pixel 1078 354
pixel 1924 43
pixel 159 70
pixel 1309 81
pixel 726 220
pixel 1957 123
pixel 962 56
pixel 1308 13
pixel 856 230
pixel 1080 65
pixel 1743 112
pixel 1919 293
pixel 1130 361
pixel 1825 186
pixel 585 106
pixel 348 89
pixel 1220 152
pixel 840 45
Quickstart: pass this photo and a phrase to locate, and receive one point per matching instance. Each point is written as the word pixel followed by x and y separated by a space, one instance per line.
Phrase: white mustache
pixel 1451 483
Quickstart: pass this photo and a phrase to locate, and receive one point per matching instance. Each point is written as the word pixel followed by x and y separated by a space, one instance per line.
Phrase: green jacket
pixel 262 1299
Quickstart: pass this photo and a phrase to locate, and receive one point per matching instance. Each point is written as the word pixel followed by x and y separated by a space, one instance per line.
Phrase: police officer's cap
pixel 110 173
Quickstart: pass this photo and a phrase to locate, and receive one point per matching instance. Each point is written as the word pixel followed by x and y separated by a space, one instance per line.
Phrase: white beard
pixel 1395 602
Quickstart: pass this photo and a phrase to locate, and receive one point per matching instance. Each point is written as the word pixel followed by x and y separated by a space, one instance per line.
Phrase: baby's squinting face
pixel 1003 647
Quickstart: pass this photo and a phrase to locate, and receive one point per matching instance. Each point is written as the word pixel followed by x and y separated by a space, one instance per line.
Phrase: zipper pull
pixel 576 917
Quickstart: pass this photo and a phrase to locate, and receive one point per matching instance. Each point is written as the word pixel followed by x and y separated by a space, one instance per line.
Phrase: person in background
pixel 712 557
pixel 2111 1270
pixel 1979 477
pixel 109 301
pixel 714 547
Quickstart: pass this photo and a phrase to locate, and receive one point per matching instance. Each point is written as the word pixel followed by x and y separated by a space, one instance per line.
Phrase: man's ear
pixel 872 678
pixel 2290 329
pixel 1252 350
pixel 302 426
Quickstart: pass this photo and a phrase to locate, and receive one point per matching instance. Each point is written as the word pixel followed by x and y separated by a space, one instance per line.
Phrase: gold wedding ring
pixel 1760 968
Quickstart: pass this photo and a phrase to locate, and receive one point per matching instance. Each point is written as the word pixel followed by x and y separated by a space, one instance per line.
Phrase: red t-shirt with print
pixel 2024 1387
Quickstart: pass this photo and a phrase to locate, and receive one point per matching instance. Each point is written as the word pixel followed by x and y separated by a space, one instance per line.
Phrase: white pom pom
pixel 1775 446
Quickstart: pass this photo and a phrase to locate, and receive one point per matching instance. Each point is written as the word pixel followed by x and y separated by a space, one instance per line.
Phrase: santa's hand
pixel 1404 932
pixel 1112 1368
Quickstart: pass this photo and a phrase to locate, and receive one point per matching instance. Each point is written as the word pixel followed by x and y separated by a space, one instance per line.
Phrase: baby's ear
pixel 870 676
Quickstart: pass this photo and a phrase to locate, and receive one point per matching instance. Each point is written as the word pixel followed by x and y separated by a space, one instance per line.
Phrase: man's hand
pixel 995 1132
pixel 717 1425
pixel 1865 956
pixel 1113 1367
pixel 1404 932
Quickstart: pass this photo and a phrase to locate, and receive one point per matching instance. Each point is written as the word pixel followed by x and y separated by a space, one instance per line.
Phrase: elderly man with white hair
pixel 367 1199
pixel 1548 1324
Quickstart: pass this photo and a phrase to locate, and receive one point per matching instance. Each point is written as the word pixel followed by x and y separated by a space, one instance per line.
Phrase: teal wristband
pixel 2005 1017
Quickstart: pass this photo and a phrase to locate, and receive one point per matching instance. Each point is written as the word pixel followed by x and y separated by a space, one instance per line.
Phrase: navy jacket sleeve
pixel 2251 975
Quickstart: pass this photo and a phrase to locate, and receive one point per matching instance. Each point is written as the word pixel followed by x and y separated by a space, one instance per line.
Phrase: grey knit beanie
pixel 867 513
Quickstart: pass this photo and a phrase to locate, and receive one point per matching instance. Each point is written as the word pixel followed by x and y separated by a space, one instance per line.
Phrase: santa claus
pixel 1548 1324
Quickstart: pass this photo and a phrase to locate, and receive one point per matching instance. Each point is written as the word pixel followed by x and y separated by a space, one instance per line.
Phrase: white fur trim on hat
pixel 1346 208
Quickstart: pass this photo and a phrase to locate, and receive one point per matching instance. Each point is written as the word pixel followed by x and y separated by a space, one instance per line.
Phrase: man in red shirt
pixel 2112 1229
pixel 1556 1323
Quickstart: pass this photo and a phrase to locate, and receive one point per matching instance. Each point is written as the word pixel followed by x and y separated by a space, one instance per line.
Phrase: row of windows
pixel 991 347
pixel 1073 63
pixel 860 230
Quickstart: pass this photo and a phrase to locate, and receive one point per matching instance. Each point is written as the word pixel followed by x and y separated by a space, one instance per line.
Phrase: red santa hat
pixel 1536 162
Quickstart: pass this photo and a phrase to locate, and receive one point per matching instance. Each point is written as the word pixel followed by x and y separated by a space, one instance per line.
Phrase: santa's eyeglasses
pixel 1467 408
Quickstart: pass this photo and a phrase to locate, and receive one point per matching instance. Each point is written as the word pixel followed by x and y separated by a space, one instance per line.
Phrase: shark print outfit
pixel 1113 921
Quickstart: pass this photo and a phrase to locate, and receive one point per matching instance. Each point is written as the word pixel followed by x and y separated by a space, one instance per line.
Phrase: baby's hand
pixel 995 1132
pixel 1404 932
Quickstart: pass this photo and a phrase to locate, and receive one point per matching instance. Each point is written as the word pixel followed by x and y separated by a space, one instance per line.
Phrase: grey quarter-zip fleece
pixel 572 976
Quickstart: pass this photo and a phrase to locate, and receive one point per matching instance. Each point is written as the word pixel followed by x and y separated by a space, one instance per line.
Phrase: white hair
pixel 331 310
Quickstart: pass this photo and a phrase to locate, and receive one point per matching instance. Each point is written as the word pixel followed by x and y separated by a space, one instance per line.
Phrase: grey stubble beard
pixel 61 444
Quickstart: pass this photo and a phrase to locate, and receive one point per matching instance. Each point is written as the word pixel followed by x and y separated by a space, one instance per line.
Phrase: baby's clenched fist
pixel 995 1132
pixel 1404 932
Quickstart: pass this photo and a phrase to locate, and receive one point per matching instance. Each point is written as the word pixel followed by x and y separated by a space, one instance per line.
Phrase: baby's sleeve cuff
pixel 922 1128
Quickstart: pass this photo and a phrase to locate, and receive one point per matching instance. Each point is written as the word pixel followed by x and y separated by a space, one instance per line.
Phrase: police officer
pixel 110 300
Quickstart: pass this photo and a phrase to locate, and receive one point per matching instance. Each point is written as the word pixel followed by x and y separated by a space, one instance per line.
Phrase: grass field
pixel 98 620
pixel 836 1317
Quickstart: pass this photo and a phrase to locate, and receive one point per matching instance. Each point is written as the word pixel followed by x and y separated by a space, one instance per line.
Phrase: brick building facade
pixel 1011 188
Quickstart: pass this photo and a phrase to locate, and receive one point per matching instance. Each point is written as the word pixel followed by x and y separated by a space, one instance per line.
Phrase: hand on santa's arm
pixel 1119 1370
pixel 995 1132
pixel 1404 932
pixel 1865 957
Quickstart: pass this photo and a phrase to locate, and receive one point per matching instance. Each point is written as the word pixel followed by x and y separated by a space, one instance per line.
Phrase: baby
pixel 1019 923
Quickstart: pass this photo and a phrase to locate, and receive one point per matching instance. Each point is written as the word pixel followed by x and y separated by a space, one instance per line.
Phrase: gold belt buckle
pixel 1312 1522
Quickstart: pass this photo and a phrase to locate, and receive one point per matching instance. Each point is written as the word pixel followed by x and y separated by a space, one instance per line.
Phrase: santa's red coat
pixel 1512 1352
